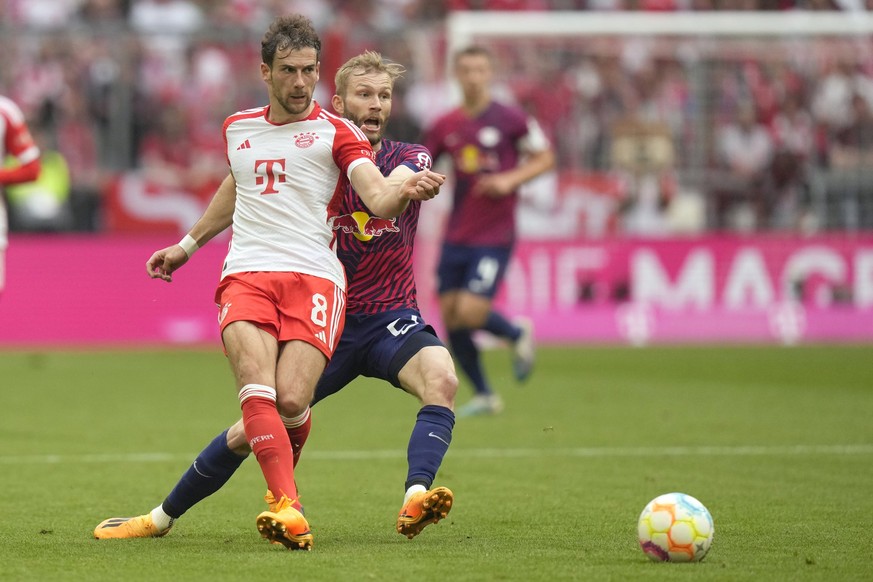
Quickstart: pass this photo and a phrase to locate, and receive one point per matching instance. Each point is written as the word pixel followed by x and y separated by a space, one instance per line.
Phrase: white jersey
pixel 290 179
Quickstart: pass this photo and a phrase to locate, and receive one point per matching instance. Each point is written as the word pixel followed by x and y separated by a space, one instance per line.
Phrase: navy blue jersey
pixel 377 252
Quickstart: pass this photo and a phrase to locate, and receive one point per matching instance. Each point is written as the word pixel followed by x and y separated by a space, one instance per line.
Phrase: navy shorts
pixel 478 270
pixel 375 345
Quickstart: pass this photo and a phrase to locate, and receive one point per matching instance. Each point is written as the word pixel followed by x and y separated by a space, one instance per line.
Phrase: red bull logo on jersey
pixel 471 159
pixel 468 159
pixel 304 140
pixel 363 226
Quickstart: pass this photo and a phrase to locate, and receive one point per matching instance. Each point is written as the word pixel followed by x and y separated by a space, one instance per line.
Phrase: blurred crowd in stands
pixel 677 136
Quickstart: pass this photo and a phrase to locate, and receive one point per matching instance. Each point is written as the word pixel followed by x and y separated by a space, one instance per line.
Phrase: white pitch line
pixel 604 452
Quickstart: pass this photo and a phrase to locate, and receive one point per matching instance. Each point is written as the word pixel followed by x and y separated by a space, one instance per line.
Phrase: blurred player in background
pixel 282 290
pixel 384 336
pixel 494 149
pixel 17 143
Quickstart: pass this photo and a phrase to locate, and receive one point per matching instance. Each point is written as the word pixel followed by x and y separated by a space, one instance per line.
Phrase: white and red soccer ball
pixel 675 527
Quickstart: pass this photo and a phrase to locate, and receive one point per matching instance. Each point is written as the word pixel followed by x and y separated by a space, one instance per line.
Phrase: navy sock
pixel 467 357
pixel 498 325
pixel 211 469
pixel 428 444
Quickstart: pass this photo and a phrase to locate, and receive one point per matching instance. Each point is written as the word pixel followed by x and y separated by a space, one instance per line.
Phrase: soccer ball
pixel 675 527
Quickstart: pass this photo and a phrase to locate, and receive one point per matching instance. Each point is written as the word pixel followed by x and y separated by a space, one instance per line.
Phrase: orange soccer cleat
pixel 423 509
pixel 119 528
pixel 285 525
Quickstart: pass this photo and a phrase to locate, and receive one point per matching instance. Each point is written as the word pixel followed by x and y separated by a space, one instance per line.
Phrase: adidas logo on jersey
pixel 320 335
pixel 244 145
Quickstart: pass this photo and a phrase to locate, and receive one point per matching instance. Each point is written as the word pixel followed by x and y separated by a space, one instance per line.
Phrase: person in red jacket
pixel 15 142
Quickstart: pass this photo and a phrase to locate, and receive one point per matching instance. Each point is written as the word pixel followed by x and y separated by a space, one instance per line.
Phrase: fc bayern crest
pixel 304 140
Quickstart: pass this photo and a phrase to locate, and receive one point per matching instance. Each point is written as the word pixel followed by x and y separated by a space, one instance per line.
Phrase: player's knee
pixel 236 439
pixel 450 320
pixel 449 387
pixel 469 317
pixel 460 320
pixel 440 388
pixel 291 405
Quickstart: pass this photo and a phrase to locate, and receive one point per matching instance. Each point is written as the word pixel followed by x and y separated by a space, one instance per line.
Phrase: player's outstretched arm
pixel 217 217
pixel 388 197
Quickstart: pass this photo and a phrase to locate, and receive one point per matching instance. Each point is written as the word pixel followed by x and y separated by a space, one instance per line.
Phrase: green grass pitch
pixel 777 442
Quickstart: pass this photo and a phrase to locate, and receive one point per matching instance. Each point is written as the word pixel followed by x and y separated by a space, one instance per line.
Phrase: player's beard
pixel 374 138
pixel 284 100
pixel 295 107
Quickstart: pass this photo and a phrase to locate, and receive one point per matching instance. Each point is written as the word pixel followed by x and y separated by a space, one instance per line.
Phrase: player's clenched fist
pixel 424 185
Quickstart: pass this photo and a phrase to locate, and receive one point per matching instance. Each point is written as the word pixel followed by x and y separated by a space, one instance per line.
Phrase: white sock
pixel 297 420
pixel 412 491
pixel 161 520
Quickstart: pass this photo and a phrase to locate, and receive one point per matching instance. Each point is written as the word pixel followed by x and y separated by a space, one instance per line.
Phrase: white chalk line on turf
pixel 487 453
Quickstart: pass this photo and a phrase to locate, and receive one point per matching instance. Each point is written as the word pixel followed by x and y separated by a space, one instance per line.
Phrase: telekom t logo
pixel 271 172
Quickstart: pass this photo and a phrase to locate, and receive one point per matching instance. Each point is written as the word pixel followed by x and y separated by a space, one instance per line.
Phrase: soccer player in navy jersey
pixel 384 336
pixel 494 148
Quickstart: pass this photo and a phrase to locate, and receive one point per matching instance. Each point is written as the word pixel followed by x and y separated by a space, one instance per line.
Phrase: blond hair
pixel 364 64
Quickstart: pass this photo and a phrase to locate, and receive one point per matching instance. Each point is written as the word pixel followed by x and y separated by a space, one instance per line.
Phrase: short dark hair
pixel 474 51
pixel 292 32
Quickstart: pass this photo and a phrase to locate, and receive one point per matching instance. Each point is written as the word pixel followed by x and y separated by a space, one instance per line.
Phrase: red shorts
pixel 288 306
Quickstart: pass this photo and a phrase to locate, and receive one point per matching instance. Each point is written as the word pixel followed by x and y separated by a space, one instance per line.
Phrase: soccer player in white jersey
pixel 282 290
pixel 15 141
